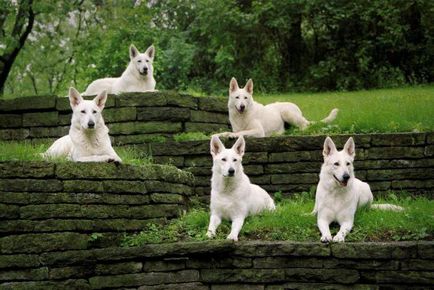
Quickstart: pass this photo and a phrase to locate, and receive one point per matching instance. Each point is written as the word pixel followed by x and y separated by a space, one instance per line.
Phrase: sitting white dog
pixel 339 193
pixel 233 197
pixel 138 76
pixel 249 118
pixel 88 139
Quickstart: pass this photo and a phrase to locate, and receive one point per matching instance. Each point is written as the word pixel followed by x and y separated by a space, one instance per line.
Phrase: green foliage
pixel 292 220
pixel 283 45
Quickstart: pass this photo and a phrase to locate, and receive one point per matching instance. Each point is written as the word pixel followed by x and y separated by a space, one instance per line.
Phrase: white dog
pixel 339 193
pixel 88 139
pixel 250 118
pixel 232 195
pixel 138 76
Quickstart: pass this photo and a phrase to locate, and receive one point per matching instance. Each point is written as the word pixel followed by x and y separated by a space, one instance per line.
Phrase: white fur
pixel 138 76
pixel 84 143
pixel 338 199
pixel 233 197
pixel 258 120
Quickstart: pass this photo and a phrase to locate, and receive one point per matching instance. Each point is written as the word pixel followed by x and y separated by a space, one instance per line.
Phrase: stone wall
pixel 218 265
pixel 132 118
pixel 292 163
pixel 47 205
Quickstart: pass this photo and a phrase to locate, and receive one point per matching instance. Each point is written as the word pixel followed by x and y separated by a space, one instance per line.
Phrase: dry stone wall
pixel 292 163
pixel 132 118
pixel 217 265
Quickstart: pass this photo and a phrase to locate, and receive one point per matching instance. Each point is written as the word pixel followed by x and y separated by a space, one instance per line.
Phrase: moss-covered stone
pixel 209 117
pixel 295 156
pixel 118 268
pixel 395 152
pixel 242 275
pixel 296 249
pixel 174 98
pixel 400 277
pixel 146 99
pixel 398 139
pixel 158 186
pixel 163 114
pixel 19 261
pixel 177 161
pixel 341 276
pixel 308 178
pixel 144 127
pixel 167 198
pixel 375 250
pixel 180 148
pixel 213 104
pixel 72 284
pixel 11 120
pixel 140 279
pixel 40 119
pixel 83 186
pixel 33 185
pixel 8 211
pixel 26 169
pixel 162 266
pixel 119 114
pixel 38 243
pixel 40 132
pixel 27 274
pixel 14 134
pixel 205 127
pixel 28 103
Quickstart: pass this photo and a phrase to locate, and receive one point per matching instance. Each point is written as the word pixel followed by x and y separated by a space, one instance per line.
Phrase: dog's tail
pixel 387 206
pixel 331 117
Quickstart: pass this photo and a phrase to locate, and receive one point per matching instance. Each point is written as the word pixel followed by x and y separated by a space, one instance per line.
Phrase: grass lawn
pixel 292 221
pixel 383 110
pixel 24 150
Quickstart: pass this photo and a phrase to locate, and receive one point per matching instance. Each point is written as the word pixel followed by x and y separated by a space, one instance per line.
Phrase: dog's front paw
pixel 114 160
pixel 233 135
pixel 232 237
pixel 326 239
pixel 339 238
pixel 210 234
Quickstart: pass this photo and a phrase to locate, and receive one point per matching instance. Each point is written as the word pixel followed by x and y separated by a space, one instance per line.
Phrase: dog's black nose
pixel 91 124
pixel 231 171
pixel 346 177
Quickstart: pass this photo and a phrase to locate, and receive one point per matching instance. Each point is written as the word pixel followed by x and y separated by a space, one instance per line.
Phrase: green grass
pixel 27 151
pixel 190 136
pixel 408 109
pixel 292 221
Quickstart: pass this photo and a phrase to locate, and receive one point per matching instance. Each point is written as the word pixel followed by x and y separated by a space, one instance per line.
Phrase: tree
pixel 14 39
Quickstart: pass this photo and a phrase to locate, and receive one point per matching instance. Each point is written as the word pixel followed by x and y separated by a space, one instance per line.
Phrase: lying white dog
pixel 339 193
pixel 88 139
pixel 138 76
pixel 250 118
pixel 233 197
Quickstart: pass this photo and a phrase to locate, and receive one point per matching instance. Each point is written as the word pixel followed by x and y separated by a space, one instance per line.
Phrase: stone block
pixel 38 243
pixel 209 117
pixel 296 156
pixel 341 276
pixel 180 148
pixel 28 103
pixel 298 167
pixel 395 152
pixel 213 276
pixel 119 114
pixel 19 261
pixel 40 119
pixel 213 104
pixel 33 185
pixel 400 277
pixel 14 134
pixel 306 178
pixel 41 132
pixel 11 120
pixel 396 174
pixel 174 98
pixel 147 99
pixel 118 268
pixel 400 250
pixel 24 274
pixel 164 265
pixel 167 198
pixel 26 169
pixel 398 139
pixel 295 249
pixel 140 139
pixel 144 127
pixel 163 114
pixel 205 127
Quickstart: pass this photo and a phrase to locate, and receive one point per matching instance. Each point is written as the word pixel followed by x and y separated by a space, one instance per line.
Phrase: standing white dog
pixel 250 118
pixel 88 139
pixel 233 197
pixel 138 76
pixel 340 193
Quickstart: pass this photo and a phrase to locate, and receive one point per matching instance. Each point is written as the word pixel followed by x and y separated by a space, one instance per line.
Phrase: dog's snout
pixel 231 172
pixel 242 107
pixel 91 124
pixel 346 176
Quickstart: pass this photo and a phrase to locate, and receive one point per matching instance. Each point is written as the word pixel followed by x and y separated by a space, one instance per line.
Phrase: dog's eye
pixel 147 60
pixel 237 97
pixel 223 159
pixel 336 164
pixel 94 111
pixel 83 111
pixel 139 61
pixel 348 163
pixel 235 160
pixel 245 98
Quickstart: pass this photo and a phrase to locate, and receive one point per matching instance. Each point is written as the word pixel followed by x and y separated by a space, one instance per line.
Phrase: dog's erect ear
pixel 100 99
pixel 240 146
pixel 74 97
pixel 150 52
pixel 350 147
pixel 249 86
pixel 133 51
pixel 216 145
pixel 233 85
pixel 329 147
